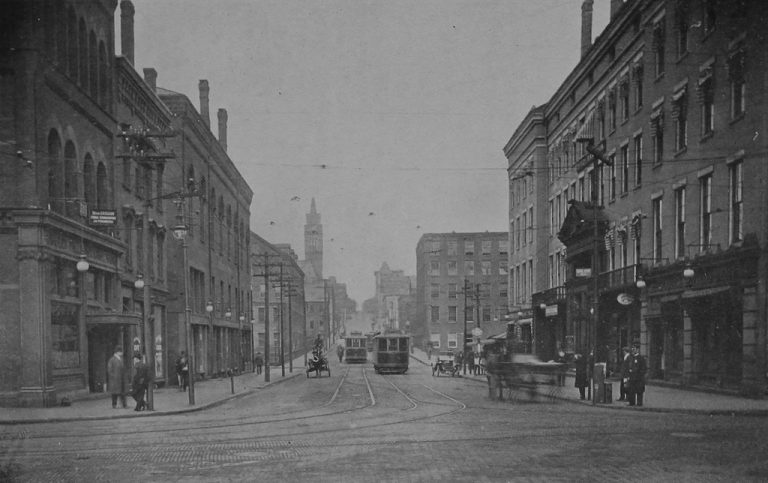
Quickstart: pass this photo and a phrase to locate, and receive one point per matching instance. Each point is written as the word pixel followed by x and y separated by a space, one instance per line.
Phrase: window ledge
pixel 638 109
pixel 706 136
pixel 626 193
pixel 659 77
pixel 682 56
pixel 657 165
pixel 680 152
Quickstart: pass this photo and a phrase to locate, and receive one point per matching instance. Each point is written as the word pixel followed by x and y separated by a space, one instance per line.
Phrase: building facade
pixel 461 282
pixel 276 266
pixel 395 299
pixel 644 168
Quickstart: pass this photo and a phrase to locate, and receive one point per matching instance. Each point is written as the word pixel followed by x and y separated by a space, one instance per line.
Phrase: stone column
pixel 753 379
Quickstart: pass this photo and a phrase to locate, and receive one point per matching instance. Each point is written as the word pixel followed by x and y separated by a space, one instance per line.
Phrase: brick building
pixel 460 277
pixel 669 97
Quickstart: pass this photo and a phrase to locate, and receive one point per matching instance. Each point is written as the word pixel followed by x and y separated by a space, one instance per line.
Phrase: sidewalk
pixel 167 400
pixel 657 398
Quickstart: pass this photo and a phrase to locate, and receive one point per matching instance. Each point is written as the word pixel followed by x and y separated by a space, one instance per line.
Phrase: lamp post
pixel 209 310
pixel 180 233
pixel 241 319
pixel 139 284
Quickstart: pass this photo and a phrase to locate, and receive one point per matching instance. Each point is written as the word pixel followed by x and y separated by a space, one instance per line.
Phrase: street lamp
pixel 640 282
pixel 82 264
pixel 180 233
pixel 139 283
pixel 688 271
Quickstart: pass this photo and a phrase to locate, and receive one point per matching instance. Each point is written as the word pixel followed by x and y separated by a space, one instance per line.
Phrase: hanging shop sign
pixel 103 218
pixel 625 299
pixel 550 311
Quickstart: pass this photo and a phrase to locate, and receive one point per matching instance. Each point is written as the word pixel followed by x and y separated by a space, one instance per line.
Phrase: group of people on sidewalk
pixel 118 376
pixel 633 370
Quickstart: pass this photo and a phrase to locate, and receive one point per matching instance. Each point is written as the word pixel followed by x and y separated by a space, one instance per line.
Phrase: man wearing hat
pixel 635 368
pixel 116 377
pixel 140 382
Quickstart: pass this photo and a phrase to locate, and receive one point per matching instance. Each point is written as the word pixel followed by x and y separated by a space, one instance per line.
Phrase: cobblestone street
pixel 361 426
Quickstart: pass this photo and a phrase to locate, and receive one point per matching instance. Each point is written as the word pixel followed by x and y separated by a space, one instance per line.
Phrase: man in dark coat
pixel 141 379
pixel 117 380
pixel 634 376
pixel 582 380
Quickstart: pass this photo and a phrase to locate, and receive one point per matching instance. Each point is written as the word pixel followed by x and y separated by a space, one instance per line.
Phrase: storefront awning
pixel 704 292
pixel 113 319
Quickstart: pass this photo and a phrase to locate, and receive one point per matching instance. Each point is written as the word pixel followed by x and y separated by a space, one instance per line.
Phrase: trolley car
pixel 355 348
pixel 391 353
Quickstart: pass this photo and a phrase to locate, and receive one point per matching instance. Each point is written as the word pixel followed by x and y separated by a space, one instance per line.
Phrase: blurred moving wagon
pixel 522 371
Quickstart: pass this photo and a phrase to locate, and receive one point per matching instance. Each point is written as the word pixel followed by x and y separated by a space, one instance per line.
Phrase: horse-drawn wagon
pixel 523 371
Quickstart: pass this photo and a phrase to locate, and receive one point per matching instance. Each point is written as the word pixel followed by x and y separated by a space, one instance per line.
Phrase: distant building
pixel 460 277
pixel 395 299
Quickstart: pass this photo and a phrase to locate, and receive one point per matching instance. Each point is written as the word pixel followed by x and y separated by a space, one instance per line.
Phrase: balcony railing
pixel 618 278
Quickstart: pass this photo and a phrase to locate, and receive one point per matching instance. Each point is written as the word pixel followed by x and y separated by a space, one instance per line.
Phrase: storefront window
pixel 65 335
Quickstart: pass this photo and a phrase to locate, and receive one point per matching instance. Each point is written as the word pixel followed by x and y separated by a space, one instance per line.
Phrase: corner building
pixel 670 96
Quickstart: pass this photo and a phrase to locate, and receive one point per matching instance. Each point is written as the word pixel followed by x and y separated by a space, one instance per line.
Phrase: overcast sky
pixel 392 114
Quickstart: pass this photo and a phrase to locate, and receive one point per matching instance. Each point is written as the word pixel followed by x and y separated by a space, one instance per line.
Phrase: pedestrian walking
pixel 634 376
pixel 471 363
pixel 182 371
pixel 117 381
pixel 340 352
pixel 476 357
pixel 622 369
pixel 259 361
pixel 582 381
pixel 141 379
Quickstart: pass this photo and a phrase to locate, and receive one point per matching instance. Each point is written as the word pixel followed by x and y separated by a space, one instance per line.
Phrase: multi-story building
pixel 315 286
pixel 60 275
pixel 275 267
pixel 643 171
pixel 461 280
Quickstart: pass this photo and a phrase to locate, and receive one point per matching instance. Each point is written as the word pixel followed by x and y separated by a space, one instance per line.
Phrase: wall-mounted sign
pixel 550 311
pixel 103 218
pixel 583 272
pixel 625 299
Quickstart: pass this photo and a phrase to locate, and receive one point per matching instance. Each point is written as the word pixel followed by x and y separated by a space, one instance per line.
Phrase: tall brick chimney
pixel 223 128
pixel 150 77
pixel 126 29
pixel 615 7
pixel 586 26
pixel 204 107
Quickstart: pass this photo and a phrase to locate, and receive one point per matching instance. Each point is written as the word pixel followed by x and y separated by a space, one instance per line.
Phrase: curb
pixel 149 414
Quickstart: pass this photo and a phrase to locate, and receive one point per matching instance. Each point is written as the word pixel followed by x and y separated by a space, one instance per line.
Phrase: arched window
pixel 102 187
pixel 71 190
pixel 93 71
pixel 103 79
pixel 82 54
pixel 55 170
pixel 89 180
pixel 71 43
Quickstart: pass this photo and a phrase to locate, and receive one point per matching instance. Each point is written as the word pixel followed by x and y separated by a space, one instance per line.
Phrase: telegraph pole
pixel 282 332
pixel 266 266
pixel 464 360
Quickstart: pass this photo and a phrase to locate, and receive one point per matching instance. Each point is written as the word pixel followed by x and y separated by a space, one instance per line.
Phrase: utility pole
pixel 282 331
pixel 266 266
pixel 597 157
pixel 464 360
pixel 477 303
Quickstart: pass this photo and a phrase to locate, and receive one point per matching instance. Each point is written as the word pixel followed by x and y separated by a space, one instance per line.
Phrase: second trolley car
pixel 391 353
pixel 354 348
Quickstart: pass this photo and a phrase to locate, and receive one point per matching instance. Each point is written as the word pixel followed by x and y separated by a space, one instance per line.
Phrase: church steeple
pixel 313 240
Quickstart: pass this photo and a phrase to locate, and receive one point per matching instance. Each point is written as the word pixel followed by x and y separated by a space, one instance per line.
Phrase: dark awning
pixel 113 319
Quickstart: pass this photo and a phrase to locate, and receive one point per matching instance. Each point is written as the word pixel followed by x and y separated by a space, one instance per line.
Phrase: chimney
pixel 150 77
pixel 223 128
pixel 586 26
pixel 204 111
pixel 615 7
pixel 126 29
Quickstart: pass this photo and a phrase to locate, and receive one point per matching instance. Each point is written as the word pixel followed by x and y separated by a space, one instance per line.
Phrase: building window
pixel 680 222
pixel 434 290
pixel 657 134
pixel 517 234
pixel 681 30
pixel 659 47
pixel 512 233
pixel 529 231
pixel 434 268
pixel 638 145
pixel 611 110
pixel 503 247
pixel 453 341
pixel 736 202
pixel 612 174
pixel 624 153
pixel 485 266
pixel 451 290
pixel 707 98
pixel 705 185
pixel 469 314
pixel 637 78
pixel 624 99
pixel 657 227
pixel 453 267
pixel 522 227
pixel 469 267
pixel 435 313
pixel 434 339
pixel 452 248
pixel 486 314
pixel 503 268
pixel 452 313
pixel 434 248
pixel 552 224
pixel 485 246
pixel 469 248
pixel 737 84
pixel 680 116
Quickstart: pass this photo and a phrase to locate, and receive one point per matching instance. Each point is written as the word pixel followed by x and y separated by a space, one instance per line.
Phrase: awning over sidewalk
pixel 113 319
